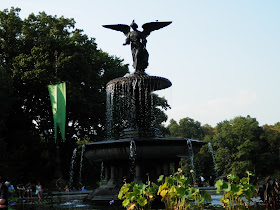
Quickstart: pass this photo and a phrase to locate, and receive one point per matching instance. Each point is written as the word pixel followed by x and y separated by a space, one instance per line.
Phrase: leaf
pixel 235 188
pixel 141 186
pixel 142 201
pixel 249 173
pixel 136 191
pixel 226 201
pixel 181 192
pixel 163 193
pixel 233 177
pixel 160 178
pixel 120 195
pixel 124 189
pixel 244 180
pixel 218 185
pixel 206 196
pixel 125 202
pixel 226 187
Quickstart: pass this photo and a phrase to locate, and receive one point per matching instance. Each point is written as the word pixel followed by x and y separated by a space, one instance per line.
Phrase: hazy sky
pixel 222 56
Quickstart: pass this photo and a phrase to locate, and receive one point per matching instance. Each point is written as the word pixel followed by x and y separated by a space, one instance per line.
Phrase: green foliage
pixel 35 52
pixel 237 144
pixel 187 128
pixel 203 162
pixel 160 104
pixel 85 141
pixel 138 196
pixel 235 190
pixel 177 192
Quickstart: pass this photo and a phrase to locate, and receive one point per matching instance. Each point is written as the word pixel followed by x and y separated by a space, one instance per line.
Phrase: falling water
pixel 132 158
pixel 129 105
pixel 109 110
pixel 81 164
pixel 101 171
pixel 71 173
pixel 213 158
pixel 192 158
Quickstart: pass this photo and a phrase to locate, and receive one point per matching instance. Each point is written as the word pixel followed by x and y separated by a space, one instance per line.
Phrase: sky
pixel 222 56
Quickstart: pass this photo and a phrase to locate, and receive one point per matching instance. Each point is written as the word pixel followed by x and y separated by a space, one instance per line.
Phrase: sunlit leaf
pixel 142 201
pixel 125 202
pixel 226 186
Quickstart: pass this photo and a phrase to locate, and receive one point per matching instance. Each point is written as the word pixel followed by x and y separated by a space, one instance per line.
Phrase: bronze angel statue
pixel 137 40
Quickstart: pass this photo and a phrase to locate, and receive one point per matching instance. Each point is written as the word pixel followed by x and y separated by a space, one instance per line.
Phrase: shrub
pixel 235 190
pixel 178 193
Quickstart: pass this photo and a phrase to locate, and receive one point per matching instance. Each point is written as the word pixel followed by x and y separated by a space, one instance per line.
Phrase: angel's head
pixel 133 25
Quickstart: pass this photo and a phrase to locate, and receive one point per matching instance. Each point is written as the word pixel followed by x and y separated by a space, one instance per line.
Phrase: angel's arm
pixel 144 40
pixel 127 41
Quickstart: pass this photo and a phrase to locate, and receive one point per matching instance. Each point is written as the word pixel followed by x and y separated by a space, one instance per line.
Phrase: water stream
pixel 71 172
pixel 129 106
pixel 81 164
pixel 132 159
pixel 213 159
pixel 192 159
pixel 101 171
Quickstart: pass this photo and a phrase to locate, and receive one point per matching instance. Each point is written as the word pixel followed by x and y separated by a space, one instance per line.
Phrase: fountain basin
pixel 153 157
pixel 146 148
pixel 153 83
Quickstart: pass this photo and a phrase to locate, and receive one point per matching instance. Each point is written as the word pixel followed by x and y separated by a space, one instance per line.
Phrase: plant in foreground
pixel 177 192
pixel 235 190
pixel 138 196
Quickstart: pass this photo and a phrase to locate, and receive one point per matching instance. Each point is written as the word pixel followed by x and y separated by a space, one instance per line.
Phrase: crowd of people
pixel 7 189
pixel 28 191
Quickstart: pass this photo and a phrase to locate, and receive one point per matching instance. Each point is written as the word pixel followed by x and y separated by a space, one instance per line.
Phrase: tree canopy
pixel 42 50
pixel 38 51
pixel 239 144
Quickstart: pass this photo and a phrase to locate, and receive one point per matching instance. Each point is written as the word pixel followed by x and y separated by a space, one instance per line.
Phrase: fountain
pixel 71 171
pixel 81 164
pixel 213 159
pixel 133 147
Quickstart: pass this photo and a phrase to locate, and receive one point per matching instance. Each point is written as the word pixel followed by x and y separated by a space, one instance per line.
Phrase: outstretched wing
pixel 152 26
pixel 119 27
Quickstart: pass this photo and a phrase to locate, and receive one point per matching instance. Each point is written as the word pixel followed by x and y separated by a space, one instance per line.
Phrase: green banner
pixel 58 99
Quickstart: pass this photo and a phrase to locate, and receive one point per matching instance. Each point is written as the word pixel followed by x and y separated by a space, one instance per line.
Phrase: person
pixel 67 188
pixel 60 184
pixel 29 190
pixel 39 191
pixel 211 181
pixel 11 189
pixel 21 190
pixel 201 178
pixel 3 194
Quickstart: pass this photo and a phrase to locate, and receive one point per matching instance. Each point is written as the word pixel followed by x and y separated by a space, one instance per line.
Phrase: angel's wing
pixel 152 26
pixel 119 27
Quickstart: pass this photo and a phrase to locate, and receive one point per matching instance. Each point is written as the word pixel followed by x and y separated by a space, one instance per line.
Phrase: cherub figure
pixel 137 40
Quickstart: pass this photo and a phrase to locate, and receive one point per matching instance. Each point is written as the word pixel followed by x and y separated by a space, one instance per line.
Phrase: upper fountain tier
pixel 141 79
pixel 130 104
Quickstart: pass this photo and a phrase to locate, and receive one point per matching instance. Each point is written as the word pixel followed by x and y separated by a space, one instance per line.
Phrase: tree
pixel 269 158
pixel 43 50
pixel 187 128
pixel 237 145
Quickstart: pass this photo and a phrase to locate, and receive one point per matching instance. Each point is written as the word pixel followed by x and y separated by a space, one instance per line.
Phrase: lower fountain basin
pixel 146 148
